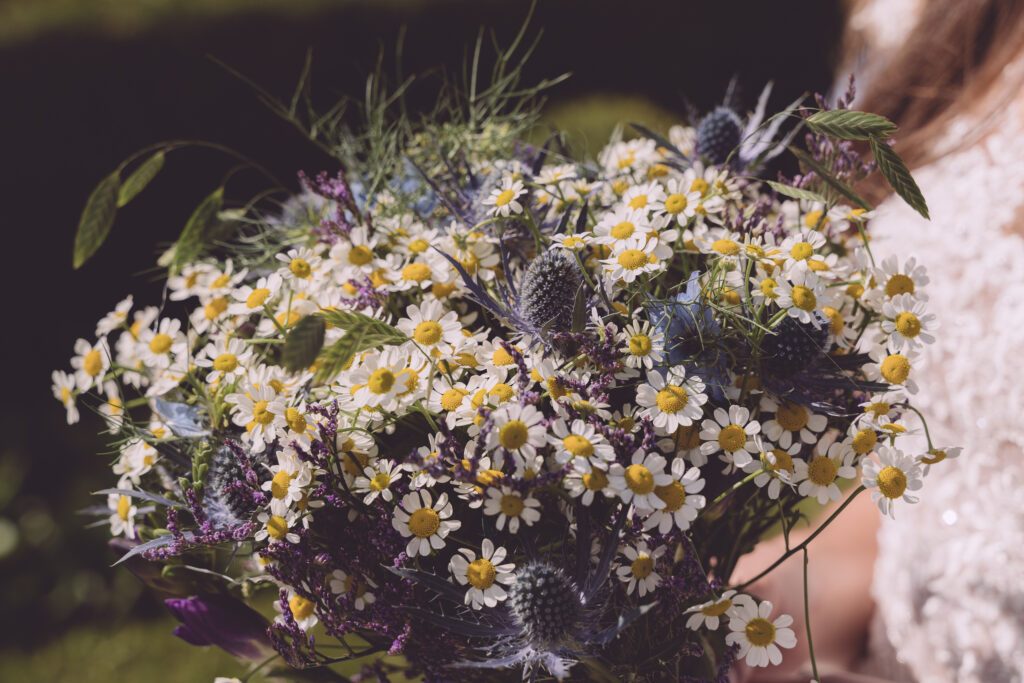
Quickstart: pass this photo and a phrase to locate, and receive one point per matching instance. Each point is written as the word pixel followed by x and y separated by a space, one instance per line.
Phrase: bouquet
pixel 465 408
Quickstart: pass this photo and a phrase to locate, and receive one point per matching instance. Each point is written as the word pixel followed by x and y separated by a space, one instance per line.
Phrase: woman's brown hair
pixel 950 60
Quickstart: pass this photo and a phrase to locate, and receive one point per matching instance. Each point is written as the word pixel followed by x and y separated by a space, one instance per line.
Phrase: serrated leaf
pixel 848 124
pixel 97 219
pixel 829 180
pixel 337 356
pixel 898 176
pixel 303 343
pixel 190 242
pixel 350 320
pixel 795 192
pixel 140 178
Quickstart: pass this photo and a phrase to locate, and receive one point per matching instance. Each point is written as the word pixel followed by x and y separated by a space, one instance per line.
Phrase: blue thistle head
pixel 690 331
pixel 718 134
pixel 547 292
pixel 546 604
pixel 226 502
pixel 794 345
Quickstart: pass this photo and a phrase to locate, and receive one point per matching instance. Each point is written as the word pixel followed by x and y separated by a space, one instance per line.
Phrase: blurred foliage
pixel 22 20
pixel 589 121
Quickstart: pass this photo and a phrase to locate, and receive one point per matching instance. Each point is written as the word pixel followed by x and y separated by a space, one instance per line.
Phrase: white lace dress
pixel 949 581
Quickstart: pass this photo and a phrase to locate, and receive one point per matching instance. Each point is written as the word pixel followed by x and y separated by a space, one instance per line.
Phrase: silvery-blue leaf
pixel 158 542
pixel 182 419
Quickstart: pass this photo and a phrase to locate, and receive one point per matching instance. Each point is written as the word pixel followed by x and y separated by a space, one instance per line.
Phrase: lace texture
pixel 949 580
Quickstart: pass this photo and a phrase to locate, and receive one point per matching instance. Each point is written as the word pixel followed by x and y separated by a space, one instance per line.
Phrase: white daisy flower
pixel 671 401
pixel 581 445
pixel 300 266
pixel 432 327
pixel 638 571
pixel 424 522
pixel 892 280
pixel 511 506
pixel 114 319
pixel 643 344
pixel 731 433
pixel 936 455
pixel 758 638
pixel 303 610
pixel 575 242
pixel 343 583
pixel 376 380
pixel 122 521
pixel 709 614
pixel 261 412
pixel 798 249
pixel 587 485
pixel 518 429
pixel 252 298
pixel 354 256
pixel 799 295
pixel 905 323
pixel 503 200
pixel 631 259
pixel 682 502
pixel 680 202
pixel 776 467
pixel 377 480
pixel 645 197
pixel 636 482
pixel 64 390
pixel 277 527
pixel 891 478
pixel 486 575
pixel 791 422
pixel 894 368
pixel 828 463
pixel 90 362
pixel 227 357
pixel 618 227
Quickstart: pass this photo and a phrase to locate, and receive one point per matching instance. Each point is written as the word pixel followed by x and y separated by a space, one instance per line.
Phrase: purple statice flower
pixel 223 621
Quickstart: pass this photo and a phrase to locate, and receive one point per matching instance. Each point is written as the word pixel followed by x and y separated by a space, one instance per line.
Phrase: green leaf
pixel 303 343
pixel 97 219
pixel 847 124
pixel 140 178
pixel 796 192
pixel 661 140
pixel 361 333
pixel 190 242
pixel 898 176
pixel 827 178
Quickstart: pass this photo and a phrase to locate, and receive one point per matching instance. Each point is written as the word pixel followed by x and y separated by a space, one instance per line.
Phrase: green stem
pixel 807 622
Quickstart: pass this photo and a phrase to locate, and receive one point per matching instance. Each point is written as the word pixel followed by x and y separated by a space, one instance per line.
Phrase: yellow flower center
pixel 418 246
pixel 760 632
pixel 504 197
pixel 481 574
pixel 513 434
pixel 277 527
pixel 427 333
pixel 899 284
pixel 864 441
pixel 642 566
pixel 675 203
pixel 801 251
pixel 452 399
pixel 768 286
pixel 92 363
pixel 301 607
pixel 934 456
pixel 822 470
pixel 215 308
pixel 673 495
pixel 579 446
pixel 732 438
pixel 279 484
pixel 501 356
pixel 257 297
pixel 381 380
pixel 716 609
pixel 296 421
pixel 261 413
pixel 908 324
pixel 225 362
pixel 638 202
pixel 512 505
pixel 804 299
pixel 699 185
pixel 639 479
pixel 791 416
pixel 300 268
pixel 639 345
pixel 783 461
pixel 726 247
pixel 892 482
pixel 416 272
pixel 596 480
pixel 623 230
pixel 360 255
pixel 424 522
pixel 672 399
pixel 895 368
pixel 632 259
pixel 124 506
pixel 380 482
pixel 160 343
pixel 812 219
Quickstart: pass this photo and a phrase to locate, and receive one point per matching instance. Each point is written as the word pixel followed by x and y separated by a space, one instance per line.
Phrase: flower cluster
pixel 516 412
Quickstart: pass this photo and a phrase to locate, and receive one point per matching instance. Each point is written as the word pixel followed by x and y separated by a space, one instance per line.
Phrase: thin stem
pixel 807 622
pixel 789 553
